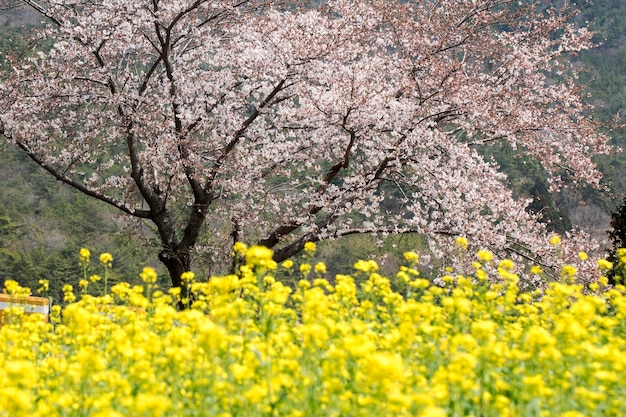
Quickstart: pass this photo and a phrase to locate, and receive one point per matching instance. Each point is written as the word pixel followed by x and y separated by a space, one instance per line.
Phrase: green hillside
pixel 43 225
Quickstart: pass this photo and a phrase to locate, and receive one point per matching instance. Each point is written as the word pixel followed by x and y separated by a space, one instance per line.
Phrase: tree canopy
pixel 281 123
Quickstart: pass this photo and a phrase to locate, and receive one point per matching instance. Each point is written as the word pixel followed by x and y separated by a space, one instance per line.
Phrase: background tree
pixel 617 235
pixel 281 123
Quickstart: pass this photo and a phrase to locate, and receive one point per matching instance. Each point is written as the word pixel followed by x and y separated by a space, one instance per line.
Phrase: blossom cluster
pixel 250 345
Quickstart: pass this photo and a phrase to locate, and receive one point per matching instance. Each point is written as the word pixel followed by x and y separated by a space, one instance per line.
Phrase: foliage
pixel 617 235
pixel 282 123
pixel 476 344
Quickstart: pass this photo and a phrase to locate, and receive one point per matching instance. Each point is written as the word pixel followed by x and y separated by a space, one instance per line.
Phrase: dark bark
pixel 177 262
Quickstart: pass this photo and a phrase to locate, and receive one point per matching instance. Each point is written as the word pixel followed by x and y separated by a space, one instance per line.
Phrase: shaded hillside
pixel 16 17
pixel 43 225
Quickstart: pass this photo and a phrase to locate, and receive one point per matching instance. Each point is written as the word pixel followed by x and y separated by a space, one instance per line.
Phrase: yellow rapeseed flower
pixel 320 268
pixel 45 285
pixel 583 256
pixel 106 259
pixel 506 264
pixel 433 411
pixel 568 271
pixel 148 275
pixel 419 283
pixel 14 288
pixel 380 366
pixel 411 257
pixel 484 255
pixel 310 247
pixel 403 276
pixel 462 242
pixel 84 255
pixel 256 393
pixel 187 277
pixel 68 293
pixel 240 248
pixel 259 255
pixel 572 413
pixel 481 275
pixel 305 269
pixel 604 264
pixel 555 240
pixel 366 266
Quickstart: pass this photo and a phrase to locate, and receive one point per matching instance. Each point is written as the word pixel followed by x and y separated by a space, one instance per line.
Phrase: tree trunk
pixel 177 262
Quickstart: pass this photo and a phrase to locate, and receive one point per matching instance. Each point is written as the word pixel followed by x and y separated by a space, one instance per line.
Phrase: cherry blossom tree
pixel 284 122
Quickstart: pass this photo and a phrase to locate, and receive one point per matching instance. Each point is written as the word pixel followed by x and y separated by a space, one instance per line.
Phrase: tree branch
pixel 241 131
pixel 41 9
pixel 144 214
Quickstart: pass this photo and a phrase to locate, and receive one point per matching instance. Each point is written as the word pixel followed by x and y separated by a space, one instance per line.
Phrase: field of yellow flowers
pixel 251 345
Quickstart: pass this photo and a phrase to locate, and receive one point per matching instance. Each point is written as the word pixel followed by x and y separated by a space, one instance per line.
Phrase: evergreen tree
pixel 617 234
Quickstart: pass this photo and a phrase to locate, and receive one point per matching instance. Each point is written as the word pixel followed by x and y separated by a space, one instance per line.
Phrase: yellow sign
pixel 31 305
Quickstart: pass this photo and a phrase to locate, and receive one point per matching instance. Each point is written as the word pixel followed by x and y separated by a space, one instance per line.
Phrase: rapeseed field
pixel 249 344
